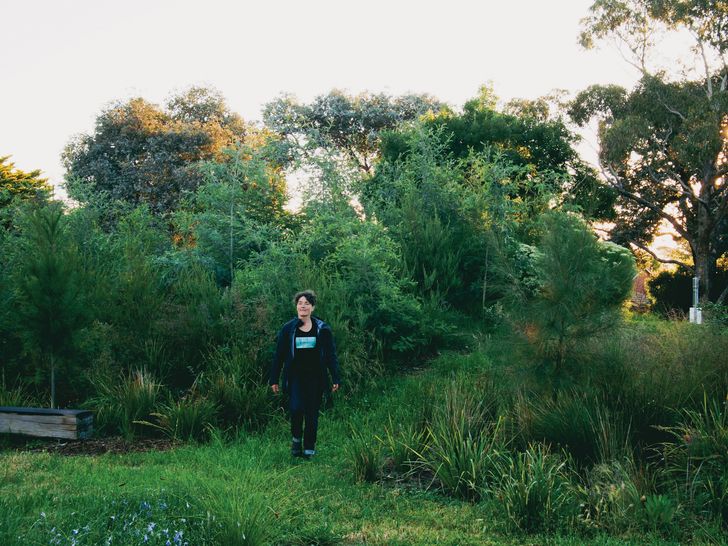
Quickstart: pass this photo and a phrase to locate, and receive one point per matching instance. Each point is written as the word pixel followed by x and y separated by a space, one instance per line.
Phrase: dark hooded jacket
pixel 285 349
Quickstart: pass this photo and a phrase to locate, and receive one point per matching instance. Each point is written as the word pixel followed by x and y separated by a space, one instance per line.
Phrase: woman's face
pixel 304 307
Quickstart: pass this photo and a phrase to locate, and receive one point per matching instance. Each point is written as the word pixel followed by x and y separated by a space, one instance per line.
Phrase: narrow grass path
pixel 249 491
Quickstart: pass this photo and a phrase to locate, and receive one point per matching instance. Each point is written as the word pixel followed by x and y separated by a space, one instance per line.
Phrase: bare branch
pixel 673 111
pixel 614 180
pixel 708 79
pixel 661 260
pixel 640 67
pixel 687 191
pixel 722 209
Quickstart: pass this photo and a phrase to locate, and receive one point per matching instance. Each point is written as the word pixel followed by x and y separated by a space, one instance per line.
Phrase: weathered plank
pixel 44 422
pixel 43 430
pixel 50 419
pixel 44 411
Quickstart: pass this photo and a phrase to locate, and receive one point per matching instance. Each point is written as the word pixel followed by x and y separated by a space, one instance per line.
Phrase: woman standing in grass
pixel 305 350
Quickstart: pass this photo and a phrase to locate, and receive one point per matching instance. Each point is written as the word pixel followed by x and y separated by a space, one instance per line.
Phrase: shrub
pixel 579 423
pixel 535 491
pixel 121 404
pixel 649 370
pixel 673 290
pixel 611 496
pixel 193 323
pixel 234 382
pixel 582 283
pixel 239 403
pixel 123 281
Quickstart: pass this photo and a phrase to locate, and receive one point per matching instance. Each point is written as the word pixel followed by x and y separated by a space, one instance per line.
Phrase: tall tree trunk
pixel 703 257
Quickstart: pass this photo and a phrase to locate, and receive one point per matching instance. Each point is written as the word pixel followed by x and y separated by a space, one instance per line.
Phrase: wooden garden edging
pixel 50 423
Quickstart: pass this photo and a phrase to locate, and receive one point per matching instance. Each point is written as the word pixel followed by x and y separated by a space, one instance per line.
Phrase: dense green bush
pixel 649 370
pixel 237 385
pixel 581 284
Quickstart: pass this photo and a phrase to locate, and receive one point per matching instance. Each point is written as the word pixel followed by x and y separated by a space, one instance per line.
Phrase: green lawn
pixel 249 491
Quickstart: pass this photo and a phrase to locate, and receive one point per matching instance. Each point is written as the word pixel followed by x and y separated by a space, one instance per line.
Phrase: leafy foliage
pixel 351 126
pixel 140 153
pixel 697 457
pixel 49 296
pixel 662 145
pixel 582 283
pixel 17 186
pixel 535 490
pixel 673 290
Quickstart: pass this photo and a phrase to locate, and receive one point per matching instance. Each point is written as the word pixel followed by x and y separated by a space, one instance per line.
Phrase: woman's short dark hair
pixel 310 296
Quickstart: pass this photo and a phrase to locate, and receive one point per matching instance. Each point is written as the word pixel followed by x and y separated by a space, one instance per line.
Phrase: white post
pixel 696 313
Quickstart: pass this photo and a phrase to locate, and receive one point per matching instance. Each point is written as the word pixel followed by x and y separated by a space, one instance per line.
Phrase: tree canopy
pixel 349 125
pixel 140 153
pixel 525 136
pixel 663 145
pixel 17 185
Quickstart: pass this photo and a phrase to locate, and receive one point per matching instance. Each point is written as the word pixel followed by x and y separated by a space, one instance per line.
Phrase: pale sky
pixel 63 61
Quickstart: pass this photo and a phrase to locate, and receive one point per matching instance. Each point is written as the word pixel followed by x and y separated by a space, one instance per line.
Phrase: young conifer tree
pixel 581 285
pixel 50 306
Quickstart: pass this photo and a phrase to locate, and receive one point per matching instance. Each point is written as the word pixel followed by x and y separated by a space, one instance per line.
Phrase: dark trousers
pixel 305 402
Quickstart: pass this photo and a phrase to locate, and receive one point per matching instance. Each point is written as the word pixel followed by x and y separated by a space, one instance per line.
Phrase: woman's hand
pixel 274 388
pixel 334 387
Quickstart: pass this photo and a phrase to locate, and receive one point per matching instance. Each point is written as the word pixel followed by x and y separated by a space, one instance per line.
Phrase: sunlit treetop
pixel 18 184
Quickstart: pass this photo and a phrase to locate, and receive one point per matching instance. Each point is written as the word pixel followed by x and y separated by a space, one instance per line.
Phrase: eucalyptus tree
pixel 349 126
pixel 525 134
pixel 663 145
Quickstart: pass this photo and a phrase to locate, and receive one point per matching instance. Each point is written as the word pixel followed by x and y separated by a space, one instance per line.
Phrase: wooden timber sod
pixel 49 423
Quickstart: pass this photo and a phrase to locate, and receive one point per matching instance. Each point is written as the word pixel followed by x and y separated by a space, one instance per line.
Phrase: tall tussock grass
pixel 365 456
pixel 697 458
pixel 651 370
pixel 191 418
pixel 235 383
pixel 462 440
pixel 14 396
pixel 577 422
pixel 123 403
pixel 535 490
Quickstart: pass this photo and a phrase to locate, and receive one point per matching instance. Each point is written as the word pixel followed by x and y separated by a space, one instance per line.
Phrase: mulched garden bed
pixel 97 446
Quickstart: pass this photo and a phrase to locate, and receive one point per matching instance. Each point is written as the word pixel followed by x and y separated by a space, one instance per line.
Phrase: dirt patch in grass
pixel 97 446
